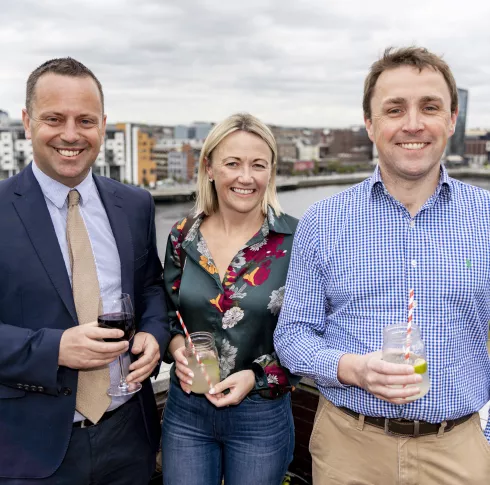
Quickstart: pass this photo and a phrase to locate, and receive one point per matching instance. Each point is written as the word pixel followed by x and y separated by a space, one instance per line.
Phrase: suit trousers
pixel 349 452
pixel 115 452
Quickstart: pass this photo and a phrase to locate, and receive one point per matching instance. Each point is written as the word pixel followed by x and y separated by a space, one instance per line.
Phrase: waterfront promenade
pixel 182 193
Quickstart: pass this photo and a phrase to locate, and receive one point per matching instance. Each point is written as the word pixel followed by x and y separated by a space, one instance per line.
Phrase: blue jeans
pixel 248 444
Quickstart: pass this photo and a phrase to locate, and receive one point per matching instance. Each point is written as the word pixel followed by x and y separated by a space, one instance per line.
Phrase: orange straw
pixel 409 325
pixel 194 351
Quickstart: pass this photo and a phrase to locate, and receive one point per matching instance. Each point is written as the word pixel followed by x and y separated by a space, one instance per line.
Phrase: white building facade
pixel 16 152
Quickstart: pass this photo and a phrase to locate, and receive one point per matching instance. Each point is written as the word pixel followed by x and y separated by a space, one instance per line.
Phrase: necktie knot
pixel 73 198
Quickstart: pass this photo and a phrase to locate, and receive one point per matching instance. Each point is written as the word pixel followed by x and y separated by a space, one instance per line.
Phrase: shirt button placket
pixel 412 261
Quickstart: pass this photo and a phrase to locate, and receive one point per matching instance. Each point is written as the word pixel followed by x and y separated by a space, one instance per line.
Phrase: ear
pixel 26 121
pixel 209 168
pixel 104 122
pixel 452 125
pixel 369 128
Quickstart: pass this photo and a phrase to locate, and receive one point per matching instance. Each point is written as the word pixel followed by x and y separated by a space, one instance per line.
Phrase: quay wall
pixel 187 192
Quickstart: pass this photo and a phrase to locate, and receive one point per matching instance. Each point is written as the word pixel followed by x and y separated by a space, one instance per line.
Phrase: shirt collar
pixel 57 193
pixel 272 222
pixel 445 183
pixel 375 179
pixel 444 187
pixel 277 223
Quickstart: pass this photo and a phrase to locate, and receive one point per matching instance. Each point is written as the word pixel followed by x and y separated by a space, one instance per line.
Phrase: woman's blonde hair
pixel 206 196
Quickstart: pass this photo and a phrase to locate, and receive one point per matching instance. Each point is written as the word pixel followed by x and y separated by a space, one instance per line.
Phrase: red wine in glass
pixel 121 321
pixel 116 311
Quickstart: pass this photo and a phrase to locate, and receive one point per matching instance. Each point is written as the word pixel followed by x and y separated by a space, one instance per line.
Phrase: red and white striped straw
pixel 409 324
pixel 194 351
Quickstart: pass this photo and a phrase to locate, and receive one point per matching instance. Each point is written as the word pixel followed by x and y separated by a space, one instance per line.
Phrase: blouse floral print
pixel 241 311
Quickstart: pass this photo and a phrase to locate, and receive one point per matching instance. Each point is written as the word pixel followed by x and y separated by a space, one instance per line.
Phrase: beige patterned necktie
pixel 92 398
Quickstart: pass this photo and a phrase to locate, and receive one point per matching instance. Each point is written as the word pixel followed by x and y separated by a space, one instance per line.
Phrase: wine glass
pixel 116 311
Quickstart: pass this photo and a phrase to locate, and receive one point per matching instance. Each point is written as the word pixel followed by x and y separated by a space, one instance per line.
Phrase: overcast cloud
pixel 299 63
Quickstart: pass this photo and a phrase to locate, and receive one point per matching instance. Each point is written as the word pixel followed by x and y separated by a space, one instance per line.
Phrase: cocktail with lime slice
pixel 394 347
pixel 204 345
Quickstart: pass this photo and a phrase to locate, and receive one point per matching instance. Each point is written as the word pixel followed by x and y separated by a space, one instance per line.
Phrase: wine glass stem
pixel 122 378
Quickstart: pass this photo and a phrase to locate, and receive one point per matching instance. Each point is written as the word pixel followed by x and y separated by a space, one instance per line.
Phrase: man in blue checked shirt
pixel 354 260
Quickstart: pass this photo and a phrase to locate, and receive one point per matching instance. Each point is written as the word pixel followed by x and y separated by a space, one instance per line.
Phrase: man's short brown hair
pixel 417 57
pixel 64 66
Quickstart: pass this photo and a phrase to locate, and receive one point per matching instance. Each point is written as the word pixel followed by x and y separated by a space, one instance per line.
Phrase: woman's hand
pixel 183 373
pixel 239 384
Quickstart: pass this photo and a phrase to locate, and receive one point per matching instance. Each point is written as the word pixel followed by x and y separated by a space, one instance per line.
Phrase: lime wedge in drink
pixel 420 366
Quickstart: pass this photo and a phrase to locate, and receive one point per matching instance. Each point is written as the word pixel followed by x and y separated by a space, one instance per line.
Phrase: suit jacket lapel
pixel 32 210
pixel 114 206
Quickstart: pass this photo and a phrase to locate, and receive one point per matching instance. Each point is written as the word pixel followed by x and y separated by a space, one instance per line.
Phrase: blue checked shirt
pixel 355 257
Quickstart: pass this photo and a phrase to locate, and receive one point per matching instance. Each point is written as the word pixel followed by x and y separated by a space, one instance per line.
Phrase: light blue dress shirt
pixel 355 257
pixel 100 234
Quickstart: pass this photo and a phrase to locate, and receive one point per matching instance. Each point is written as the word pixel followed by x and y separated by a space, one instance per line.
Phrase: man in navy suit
pixel 44 435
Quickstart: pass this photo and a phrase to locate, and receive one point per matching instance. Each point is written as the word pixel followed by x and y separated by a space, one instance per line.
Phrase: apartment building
pixel 16 151
pixel 477 147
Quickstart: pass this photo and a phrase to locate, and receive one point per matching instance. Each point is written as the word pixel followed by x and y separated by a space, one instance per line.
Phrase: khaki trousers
pixel 346 451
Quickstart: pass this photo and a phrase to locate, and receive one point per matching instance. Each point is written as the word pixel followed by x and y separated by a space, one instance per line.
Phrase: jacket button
pixel 66 391
pixel 20 386
pixel 34 388
pixel 26 387
pixel 261 383
pixel 40 388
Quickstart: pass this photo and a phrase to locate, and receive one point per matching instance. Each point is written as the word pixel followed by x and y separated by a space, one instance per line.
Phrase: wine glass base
pixel 118 391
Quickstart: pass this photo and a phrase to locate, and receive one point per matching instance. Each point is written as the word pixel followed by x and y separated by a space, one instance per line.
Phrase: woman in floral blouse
pixel 235 255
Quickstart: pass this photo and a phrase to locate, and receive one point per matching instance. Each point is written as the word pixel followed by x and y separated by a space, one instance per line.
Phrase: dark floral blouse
pixel 242 310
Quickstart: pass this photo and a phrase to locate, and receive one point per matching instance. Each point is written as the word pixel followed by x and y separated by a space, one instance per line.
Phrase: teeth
pixel 69 153
pixel 413 146
pixel 242 191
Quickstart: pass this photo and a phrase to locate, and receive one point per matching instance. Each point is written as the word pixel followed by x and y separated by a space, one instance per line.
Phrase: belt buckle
pixel 85 424
pixel 387 427
pixel 414 434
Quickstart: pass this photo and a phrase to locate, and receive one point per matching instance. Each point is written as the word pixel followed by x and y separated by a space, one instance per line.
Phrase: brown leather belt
pixel 274 392
pixel 404 427
pixel 86 423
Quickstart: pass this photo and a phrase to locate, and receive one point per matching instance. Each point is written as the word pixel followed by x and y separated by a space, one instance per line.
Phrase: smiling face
pixel 241 167
pixel 411 122
pixel 66 126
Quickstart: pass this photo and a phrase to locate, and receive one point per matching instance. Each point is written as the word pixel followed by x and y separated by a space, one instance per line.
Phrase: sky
pixel 292 63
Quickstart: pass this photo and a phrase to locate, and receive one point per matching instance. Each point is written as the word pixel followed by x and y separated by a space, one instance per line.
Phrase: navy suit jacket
pixel 37 400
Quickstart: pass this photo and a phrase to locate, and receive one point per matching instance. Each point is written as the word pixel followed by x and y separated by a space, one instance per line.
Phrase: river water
pixel 293 202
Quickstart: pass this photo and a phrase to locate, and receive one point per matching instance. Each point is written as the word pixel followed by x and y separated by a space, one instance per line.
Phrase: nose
pixel 413 121
pixel 245 176
pixel 70 132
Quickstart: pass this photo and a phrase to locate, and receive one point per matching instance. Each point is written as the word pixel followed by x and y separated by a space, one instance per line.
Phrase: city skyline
pixel 290 65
